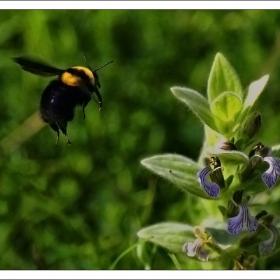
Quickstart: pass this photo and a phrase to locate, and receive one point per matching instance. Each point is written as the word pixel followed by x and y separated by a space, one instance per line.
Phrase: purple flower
pixel 267 246
pixel 212 189
pixel 195 249
pixel 271 175
pixel 235 224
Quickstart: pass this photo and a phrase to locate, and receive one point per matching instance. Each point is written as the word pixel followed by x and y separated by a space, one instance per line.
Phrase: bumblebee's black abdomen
pixel 58 102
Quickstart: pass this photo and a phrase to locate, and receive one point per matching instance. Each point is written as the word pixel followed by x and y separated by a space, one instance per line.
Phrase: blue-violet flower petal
pixel 195 249
pixel 267 246
pixel 212 189
pixel 270 176
pixel 235 224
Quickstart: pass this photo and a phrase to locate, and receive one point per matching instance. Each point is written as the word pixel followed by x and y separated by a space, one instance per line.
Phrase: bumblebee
pixel 73 87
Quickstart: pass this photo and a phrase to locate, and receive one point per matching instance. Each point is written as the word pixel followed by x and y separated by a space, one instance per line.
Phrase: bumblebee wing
pixel 36 67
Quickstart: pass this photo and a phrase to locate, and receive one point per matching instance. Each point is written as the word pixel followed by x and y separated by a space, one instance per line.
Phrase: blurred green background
pixel 80 206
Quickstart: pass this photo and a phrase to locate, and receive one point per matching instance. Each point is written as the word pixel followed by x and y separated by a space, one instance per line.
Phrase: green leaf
pixel 254 185
pixel 226 106
pixel 275 150
pixel 218 231
pixel 222 78
pixel 169 235
pixel 179 170
pixel 232 157
pixel 254 91
pixel 197 103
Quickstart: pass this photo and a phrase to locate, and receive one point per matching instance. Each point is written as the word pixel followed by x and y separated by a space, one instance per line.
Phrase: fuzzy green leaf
pixel 197 103
pixel 254 91
pixel 226 106
pixel 222 78
pixel 228 156
pixel 169 235
pixel 179 170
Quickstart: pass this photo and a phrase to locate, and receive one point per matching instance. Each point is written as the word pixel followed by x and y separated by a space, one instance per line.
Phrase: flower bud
pixel 217 175
pixel 268 219
pixel 250 262
pixel 254 161
pixel 228 146
pixel 253 124
pixel 232 209
pixel 261 214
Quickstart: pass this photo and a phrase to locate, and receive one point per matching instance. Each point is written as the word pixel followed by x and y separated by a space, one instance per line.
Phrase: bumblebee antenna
pixel 103 65
pixel 98 67
pixel 86 61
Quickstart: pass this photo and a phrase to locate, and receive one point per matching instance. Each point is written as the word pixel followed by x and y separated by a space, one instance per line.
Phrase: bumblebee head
pixel 83 76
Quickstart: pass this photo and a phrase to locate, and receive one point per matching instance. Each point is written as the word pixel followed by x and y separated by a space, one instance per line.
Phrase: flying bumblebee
pixel 73 87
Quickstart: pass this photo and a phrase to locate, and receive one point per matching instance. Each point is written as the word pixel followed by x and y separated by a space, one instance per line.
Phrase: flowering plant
pixel 232 171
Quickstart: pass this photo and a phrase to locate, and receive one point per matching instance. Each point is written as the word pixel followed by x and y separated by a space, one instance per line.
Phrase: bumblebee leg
pixel 68 141
pixel 84 106
pixel 57 137
pixel 63 128
pixel 55 127
pixel 99 97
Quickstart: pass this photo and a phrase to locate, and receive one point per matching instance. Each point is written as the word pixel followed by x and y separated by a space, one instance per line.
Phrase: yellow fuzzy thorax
pixel 71 79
